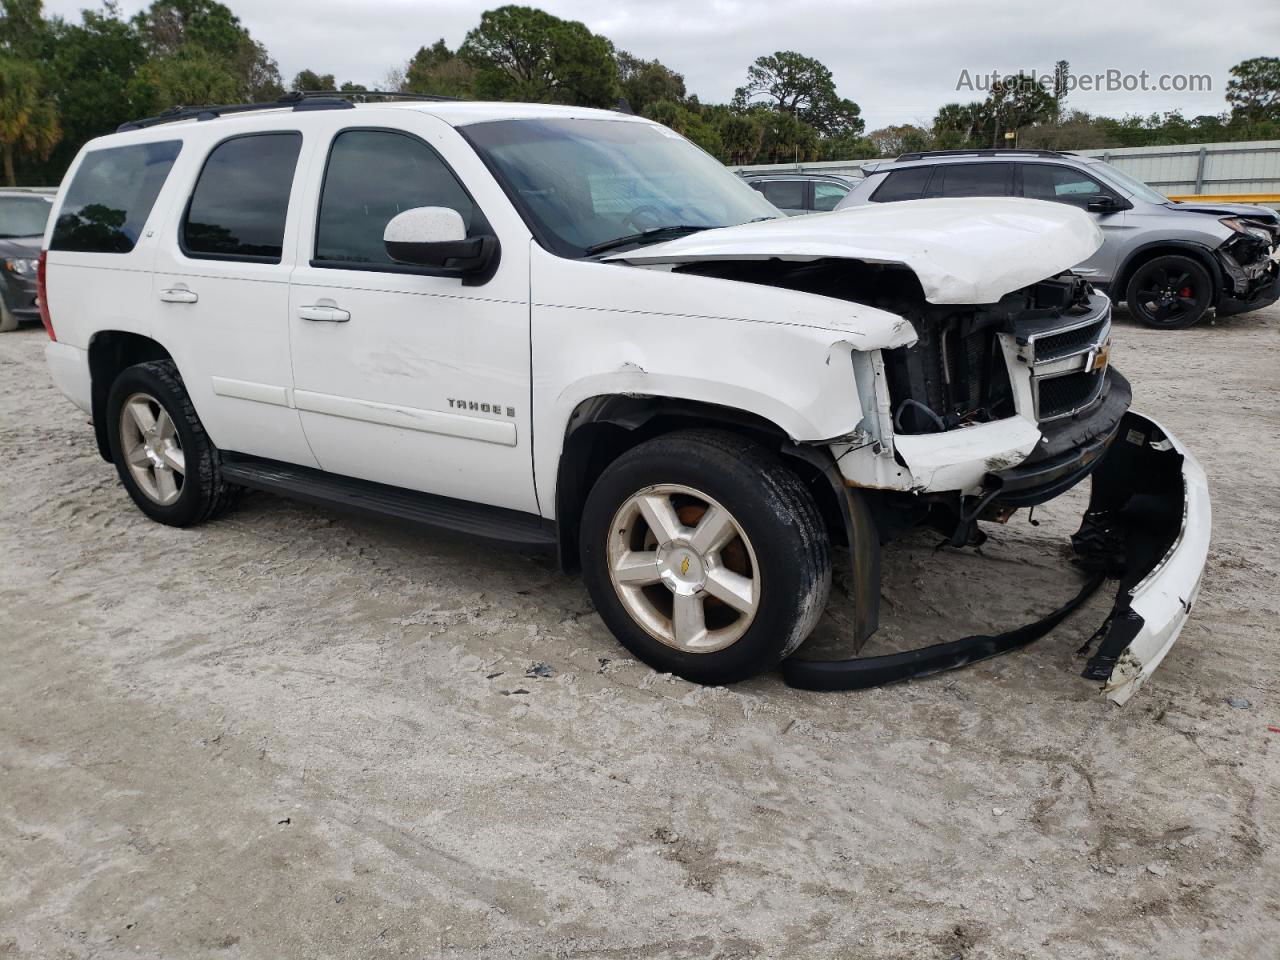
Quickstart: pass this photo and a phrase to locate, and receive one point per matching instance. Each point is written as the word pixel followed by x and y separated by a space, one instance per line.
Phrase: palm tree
pixel 28 120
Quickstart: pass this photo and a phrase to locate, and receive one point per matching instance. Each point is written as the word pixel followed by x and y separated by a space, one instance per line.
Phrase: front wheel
pixel 705 556
pixel 1170 293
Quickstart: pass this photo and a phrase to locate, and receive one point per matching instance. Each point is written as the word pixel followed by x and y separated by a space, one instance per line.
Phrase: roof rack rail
pixel 930 154
pixel 302 100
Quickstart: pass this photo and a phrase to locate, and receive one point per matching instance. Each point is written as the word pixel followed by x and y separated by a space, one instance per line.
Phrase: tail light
pixel 42 292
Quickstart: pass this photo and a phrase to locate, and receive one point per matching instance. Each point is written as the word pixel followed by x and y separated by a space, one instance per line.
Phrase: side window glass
pixel 785 194
pixel 372 176
pixel 827 195
pixel 905 184
pixel 973 180
pixel 1043 181
pixel 108 202
pixel 238 208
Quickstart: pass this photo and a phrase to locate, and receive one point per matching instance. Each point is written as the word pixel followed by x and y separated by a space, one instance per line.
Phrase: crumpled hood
pixel 971 250
pixel 1227 210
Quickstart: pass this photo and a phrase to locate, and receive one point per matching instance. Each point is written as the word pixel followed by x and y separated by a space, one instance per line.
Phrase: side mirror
pixel 1102 203
pixel 437 237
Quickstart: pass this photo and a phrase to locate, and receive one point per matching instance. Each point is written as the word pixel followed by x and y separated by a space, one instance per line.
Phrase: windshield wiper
pixel 653 233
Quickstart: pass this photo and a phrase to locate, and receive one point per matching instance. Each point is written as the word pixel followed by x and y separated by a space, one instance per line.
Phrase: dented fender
pixel 601 329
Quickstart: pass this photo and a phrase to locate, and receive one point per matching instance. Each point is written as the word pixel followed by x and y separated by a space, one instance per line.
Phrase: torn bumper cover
pixel 1147 525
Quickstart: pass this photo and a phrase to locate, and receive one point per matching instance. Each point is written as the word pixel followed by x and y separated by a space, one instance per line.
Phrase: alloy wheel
pixel 152 448
pixel 684 569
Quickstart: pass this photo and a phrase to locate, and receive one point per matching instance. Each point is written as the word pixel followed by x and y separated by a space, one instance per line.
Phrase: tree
pixel 906 138
pixel 741 135
pixel 190 78
pixel 29 124
pixel 687 122
pixel 802 87
pixel 520 53
pixel 203 33
pixel 958 125
pixel 439 71
pixel 310 80
pixel 23 29
pixel 1254 90
pixel 643 82
pixel 1017 102
pixel 786 138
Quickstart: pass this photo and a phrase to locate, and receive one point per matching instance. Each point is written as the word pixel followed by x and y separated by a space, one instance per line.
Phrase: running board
pixel 380 500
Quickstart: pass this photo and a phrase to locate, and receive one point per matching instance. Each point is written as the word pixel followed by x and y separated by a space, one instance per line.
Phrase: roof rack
pixel 930 154
pixel 301 100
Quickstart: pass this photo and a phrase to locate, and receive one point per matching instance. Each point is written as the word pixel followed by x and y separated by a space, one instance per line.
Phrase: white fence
pixel 1251 167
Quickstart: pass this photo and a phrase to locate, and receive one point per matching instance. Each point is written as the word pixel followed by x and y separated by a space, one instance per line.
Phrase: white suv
pixel 572 328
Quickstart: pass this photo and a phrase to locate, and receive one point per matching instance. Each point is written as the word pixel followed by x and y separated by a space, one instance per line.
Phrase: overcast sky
pixel 898 60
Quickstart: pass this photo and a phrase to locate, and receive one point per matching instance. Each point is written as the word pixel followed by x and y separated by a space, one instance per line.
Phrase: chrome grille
pixel 1068 362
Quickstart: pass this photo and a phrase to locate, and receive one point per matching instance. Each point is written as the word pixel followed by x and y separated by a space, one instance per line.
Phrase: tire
pixel 1170 292
pixel 148 462
pixel 761 581
pixel 7 320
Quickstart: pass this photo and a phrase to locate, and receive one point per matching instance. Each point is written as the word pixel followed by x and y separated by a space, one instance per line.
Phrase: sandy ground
pixel 293 734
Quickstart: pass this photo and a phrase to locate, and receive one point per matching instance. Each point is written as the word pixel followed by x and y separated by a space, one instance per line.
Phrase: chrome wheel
pixel 152 450
pixel 684 568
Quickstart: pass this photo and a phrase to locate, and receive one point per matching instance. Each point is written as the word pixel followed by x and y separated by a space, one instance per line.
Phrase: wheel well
pixel 110 353
pixel 1192 251
pixel 603 428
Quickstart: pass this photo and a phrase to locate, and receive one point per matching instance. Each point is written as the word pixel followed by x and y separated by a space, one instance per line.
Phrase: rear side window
pixel 905 184
pixel 827 195
pixel 973 180
pixel 372 176
pixel 111 196
pixel 785 194
pixel 238 208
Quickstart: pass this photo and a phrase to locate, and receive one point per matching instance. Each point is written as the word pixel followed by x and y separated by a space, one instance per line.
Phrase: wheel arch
pixel 110 353
pixel 1159 248
pixel 602 428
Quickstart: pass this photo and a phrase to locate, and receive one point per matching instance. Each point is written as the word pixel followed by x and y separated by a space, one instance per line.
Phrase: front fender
pixel 636 332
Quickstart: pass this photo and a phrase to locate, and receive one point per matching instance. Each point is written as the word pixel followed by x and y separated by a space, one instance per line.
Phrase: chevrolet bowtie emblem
pixel 684 566
pixel 1100 357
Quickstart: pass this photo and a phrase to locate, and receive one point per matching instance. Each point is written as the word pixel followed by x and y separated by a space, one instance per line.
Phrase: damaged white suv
pixel 572 328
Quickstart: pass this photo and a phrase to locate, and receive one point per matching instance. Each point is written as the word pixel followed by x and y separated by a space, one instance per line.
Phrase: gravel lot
pixel 294 734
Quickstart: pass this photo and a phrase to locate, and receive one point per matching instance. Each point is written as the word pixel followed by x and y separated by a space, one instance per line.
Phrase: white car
pixel 572 328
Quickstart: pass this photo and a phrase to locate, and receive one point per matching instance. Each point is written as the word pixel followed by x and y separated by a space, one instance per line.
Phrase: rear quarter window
pixel 905 184
pixel 111 196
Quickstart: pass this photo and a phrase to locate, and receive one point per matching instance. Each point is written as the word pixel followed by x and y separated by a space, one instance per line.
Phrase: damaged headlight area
pixel 1250 264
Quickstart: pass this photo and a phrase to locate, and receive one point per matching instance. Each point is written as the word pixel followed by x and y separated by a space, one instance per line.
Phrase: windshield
pixel 24 216
pixel 1127 183
pixel 585 185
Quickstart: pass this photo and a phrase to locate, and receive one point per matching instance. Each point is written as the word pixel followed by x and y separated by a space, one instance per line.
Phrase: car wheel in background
pixel 705 556
pixel 1170 292
pixel 164 457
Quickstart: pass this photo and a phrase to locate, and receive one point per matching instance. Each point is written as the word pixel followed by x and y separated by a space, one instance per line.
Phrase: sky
pixel 899 60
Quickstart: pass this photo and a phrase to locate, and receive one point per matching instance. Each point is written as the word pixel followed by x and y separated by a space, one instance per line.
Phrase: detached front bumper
pixel 1150 500
pixel 1147 525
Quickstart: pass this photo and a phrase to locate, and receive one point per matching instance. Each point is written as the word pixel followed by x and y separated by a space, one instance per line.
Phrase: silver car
pixel 1171 262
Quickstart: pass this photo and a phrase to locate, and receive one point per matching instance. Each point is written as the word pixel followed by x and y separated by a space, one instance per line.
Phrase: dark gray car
pixel 799 193
pixel 1171 262
pixel 23 215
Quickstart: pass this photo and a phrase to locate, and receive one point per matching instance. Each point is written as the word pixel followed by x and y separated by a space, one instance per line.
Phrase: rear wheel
pixel 1170 292
pixel 705 556
pixel 164 458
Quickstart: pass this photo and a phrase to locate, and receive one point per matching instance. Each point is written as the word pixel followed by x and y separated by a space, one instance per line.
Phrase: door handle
pixel 179 294
pixel 324 312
